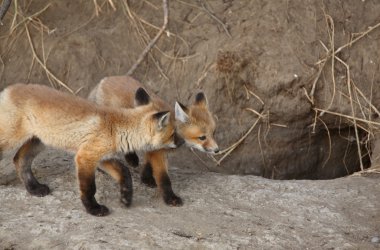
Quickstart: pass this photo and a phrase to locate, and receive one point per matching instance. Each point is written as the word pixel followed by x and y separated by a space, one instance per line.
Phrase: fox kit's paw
pixel 126 201
pixel 39 190
pixel 173 200
pixel 126 196
pixel 99 210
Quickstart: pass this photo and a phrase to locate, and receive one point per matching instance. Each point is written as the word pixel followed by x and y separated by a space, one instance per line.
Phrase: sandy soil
pixel 220 212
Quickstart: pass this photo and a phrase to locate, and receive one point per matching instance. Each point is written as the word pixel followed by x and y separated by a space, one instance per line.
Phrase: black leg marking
pixel 147 176
pixel 88 190
pixel 169 196
pixel 23 162
pixel 132 159
pixel 120 173
pixel 126 186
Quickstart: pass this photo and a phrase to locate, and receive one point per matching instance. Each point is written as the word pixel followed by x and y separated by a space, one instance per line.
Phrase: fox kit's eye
pixel 202 138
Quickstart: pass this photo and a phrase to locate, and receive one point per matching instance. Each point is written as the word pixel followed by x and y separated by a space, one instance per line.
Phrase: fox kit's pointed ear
pixel 141 97
pixel 162 118
pixel 181 112
pixel 201 100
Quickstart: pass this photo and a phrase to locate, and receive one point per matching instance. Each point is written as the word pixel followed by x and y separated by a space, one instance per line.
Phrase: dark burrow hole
pixel 317 156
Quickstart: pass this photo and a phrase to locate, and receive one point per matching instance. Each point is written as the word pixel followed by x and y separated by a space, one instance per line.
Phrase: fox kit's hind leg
pixel 86 161
pixel 132 159
pixel 122 175
pixel 157 163
pixel 147 175
pixel 23 162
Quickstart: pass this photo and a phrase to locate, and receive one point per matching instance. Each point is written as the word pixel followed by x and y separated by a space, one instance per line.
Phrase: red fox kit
pixel 194 124
pixel 34 115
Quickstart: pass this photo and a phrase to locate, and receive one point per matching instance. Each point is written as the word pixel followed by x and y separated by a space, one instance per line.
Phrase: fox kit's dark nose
pixel 178 140
pixel 216 151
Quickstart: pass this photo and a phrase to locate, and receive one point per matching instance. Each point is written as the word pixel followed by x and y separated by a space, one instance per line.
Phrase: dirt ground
pixel 219 212
pixel 245 55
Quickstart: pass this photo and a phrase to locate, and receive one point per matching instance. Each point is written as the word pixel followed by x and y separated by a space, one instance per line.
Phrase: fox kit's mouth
pixel 178 140
pixel 212 151
pixel 202 149
pixel 173 145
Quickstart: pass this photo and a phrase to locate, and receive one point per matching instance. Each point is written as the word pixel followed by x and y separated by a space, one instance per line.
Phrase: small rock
pixel 375 239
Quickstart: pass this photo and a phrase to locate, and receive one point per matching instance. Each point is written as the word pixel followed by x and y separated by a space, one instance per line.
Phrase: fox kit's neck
pixel 128 140
pixel 131 132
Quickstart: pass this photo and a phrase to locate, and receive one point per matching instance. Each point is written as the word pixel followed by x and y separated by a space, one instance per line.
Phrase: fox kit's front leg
pixel 122 175
pixel 23 162
pixel 157 165
pixel 86 162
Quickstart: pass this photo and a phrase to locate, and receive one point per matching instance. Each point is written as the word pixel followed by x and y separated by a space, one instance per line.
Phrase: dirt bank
pixel 266 62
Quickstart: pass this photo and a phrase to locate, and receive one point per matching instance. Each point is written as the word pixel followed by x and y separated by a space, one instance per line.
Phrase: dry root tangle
pixel 353 92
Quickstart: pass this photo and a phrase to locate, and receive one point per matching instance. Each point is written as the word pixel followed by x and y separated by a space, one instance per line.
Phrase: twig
pixel 14 19
pixel 231 148
pixel 4 8
pixel 373 170
pixel 255 112
pixel 3 66
pixel 260 146
pixel 215 18
pixel 330 145
pixel 279 125
pixel 348 75
pixel 153 42
pixel 312 91
pixel 253 94
pixel 201 160
pixel 170 34
pixel 98 8
pixel 332 52
pixel 189 4
pixel 42 64
pixel 368 101
pixel 29 17
pixel 204 73
pixel 370 29
pixel 331 32
pixel 348 117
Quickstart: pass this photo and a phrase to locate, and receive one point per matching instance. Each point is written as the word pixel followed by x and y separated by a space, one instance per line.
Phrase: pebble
pixel 375 239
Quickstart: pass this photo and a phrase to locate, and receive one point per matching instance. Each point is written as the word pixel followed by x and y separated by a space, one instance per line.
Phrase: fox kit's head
pixel 196 125
pixel 157 127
